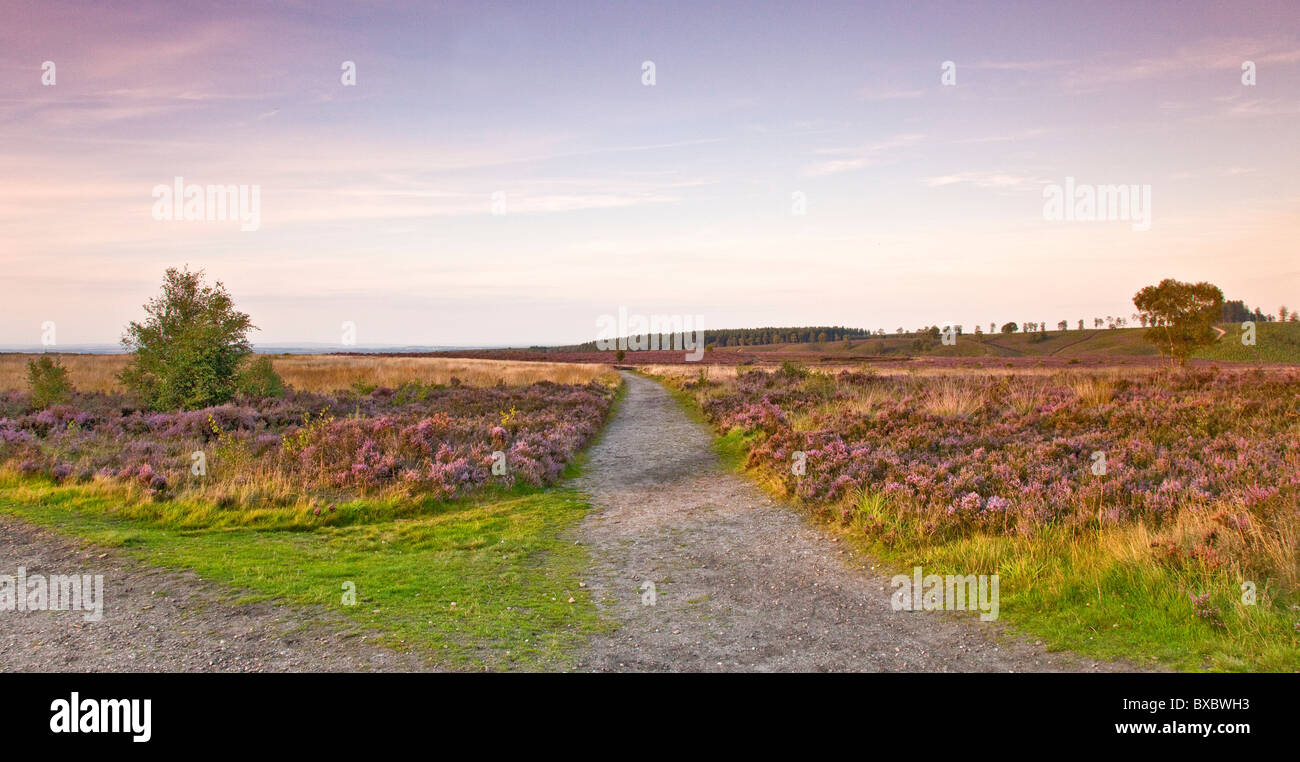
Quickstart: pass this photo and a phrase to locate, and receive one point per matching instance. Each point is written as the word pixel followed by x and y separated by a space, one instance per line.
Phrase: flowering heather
pixel 1015 452
pixel 414 440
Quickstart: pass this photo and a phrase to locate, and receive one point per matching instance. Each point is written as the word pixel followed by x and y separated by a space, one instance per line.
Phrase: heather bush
pixel 416 441
pixel 1025 448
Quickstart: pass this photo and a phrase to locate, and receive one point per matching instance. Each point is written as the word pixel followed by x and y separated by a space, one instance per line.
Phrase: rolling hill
pixel 1275 343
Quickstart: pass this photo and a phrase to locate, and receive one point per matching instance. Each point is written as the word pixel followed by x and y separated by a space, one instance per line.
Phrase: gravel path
pixel 158 620
pixel 742 583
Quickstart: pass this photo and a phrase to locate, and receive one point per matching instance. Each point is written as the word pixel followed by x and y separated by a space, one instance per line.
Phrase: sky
pixel 504 174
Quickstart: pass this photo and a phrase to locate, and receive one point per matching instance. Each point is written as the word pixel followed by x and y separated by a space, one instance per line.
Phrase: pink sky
pixel 924 202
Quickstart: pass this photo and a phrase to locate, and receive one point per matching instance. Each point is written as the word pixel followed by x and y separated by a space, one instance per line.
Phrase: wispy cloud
pixel 983 180
pixel 1240 107
pixel 853 158
pixel 1028 65
pixel 876 94
pixel 1209 54
pixel 1009 137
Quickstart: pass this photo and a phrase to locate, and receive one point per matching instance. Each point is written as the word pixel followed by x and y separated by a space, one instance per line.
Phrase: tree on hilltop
pixel 1180 316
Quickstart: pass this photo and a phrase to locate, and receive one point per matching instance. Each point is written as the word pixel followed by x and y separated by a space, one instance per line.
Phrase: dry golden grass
pixel 862 399
pixel 725 372
pixel 1261 549
pixel 88 373
pixel 1024 394
pixel 330 372
pixel 1093 390
pixel 721 372
pixel 324 373
pixel 949 397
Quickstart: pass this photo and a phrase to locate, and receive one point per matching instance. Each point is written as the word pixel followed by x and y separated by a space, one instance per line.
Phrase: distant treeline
pixel 745 337
pixel 1234 311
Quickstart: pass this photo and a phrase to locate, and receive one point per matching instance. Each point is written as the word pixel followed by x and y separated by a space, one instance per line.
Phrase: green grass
pixel 502 561
pixel 733 449
pixel 1274 342
pixel 1073 591
pixel 504 558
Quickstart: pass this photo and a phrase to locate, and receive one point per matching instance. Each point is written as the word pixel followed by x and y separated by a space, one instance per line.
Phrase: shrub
pixel 188 351
pixel 48 382
pixel 259 379
pixel 793 370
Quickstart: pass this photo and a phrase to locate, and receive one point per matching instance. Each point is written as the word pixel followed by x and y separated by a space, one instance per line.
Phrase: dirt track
pixel 743 584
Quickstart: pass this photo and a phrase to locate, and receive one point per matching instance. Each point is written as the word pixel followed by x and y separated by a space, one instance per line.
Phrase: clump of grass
pixel 951 398
pixel 863 399
pixel 1024 395
pixel 1093 390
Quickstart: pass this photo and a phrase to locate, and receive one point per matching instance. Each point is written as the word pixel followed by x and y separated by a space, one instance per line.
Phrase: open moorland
pixel 1126 507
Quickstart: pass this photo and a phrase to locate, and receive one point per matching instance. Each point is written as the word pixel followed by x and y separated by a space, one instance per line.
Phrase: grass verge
pixel 485 584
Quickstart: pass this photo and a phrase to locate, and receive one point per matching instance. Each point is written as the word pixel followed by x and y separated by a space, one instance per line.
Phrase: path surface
pixel 741 583
pixel 157 620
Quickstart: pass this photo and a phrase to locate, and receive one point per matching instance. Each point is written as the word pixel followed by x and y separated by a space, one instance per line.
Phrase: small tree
pixel 259 379
pixel 188 351
pixel 47 380
pixel 1010 327
pixel 1180 316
